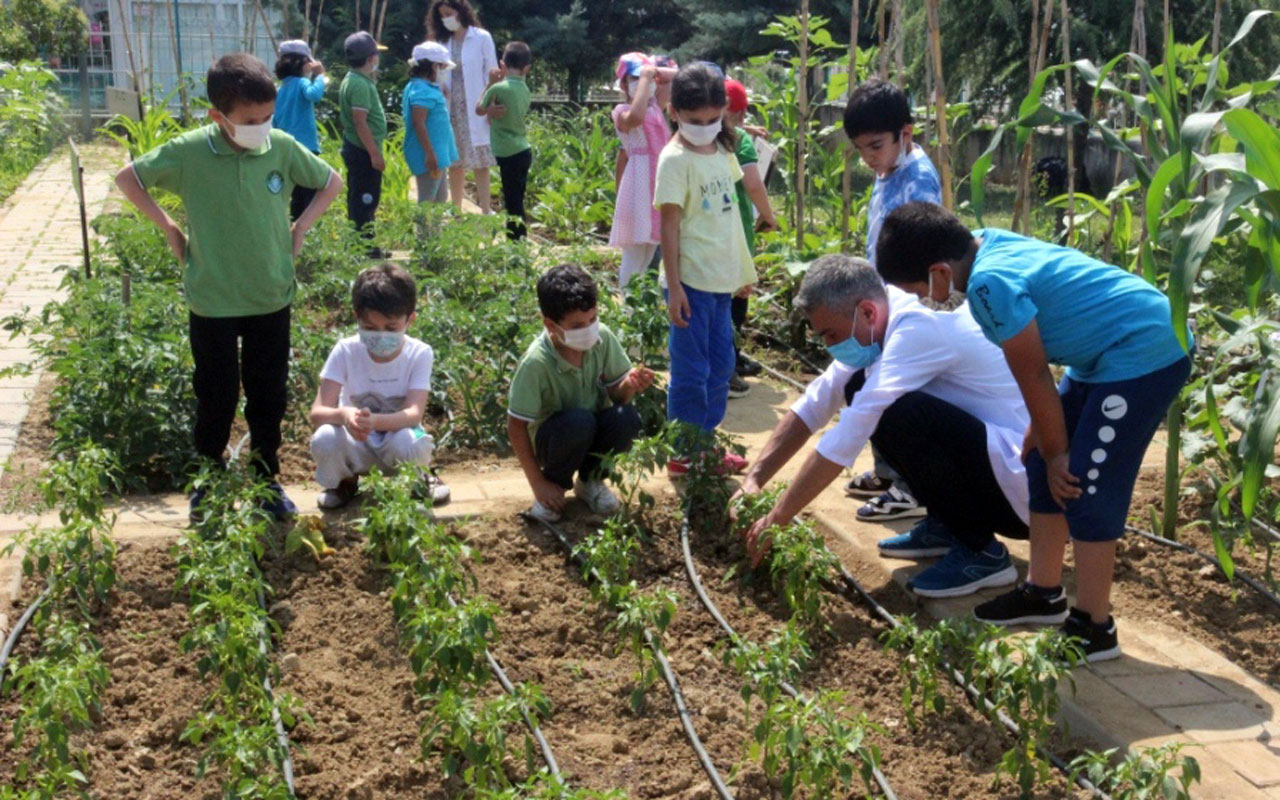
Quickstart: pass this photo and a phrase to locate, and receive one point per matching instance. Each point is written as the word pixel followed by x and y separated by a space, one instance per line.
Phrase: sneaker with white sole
pixel 963 571
pixel 339 496
pixel 868 484
pixel 1099 642
pixel 893 504
pixel 1024 605
pixel 433 489
pixel 929 538
pixel 738 387
pixel 598 497
pixel 539 511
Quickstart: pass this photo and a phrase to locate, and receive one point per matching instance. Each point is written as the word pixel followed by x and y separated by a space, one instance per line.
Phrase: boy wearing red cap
pixel 750 191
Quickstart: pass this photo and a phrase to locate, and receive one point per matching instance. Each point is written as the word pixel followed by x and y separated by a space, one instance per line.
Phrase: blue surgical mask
pixel 381 344
pixel 853 354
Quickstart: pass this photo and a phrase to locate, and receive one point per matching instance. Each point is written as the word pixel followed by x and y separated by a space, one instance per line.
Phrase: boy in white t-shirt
pixel 373 392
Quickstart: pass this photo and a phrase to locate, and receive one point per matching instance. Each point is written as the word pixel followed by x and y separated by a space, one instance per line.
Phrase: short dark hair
pixel 916 235
pixel 426 68
pixel 564 289
pixel 466 15
pixel 517 55
pixel 291 65
pixel 876 106
pixel 236 79
pixel 386 288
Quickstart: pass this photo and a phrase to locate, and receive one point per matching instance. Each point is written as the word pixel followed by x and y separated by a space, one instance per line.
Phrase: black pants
pixel 298 202
pixel 230 350
pixel 738 311
pixel 515 177
pixel 941 451
pixel 364 187
pixel 574 440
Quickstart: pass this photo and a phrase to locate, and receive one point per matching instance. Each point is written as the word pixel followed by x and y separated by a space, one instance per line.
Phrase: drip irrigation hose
pixel 801 357
pixel 668 675
pixel 692 571
pixel 510 689
pixel 12 640
pixel 282 737
pixel 1249 580
pixel 975 695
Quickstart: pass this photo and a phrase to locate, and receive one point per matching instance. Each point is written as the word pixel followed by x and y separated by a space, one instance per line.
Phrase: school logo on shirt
pixel 275 182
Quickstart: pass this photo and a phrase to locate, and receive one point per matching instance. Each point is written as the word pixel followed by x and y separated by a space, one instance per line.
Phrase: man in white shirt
pixel 939 403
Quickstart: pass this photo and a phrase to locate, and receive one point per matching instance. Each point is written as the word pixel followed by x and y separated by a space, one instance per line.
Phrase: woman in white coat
pixel 454 24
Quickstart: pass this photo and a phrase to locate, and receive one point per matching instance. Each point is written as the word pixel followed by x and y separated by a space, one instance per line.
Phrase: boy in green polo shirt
pixel 569 398
pixel 506 103
pixel 235 178
pixel 364 129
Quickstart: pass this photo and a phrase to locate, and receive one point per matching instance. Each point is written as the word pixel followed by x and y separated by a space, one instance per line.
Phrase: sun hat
pixel 737 94
pixel 432 51
pixel 295 47
pixel 360 45
pixel 629 65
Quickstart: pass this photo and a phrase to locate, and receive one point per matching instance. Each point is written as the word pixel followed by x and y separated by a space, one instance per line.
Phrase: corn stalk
pixel 940 102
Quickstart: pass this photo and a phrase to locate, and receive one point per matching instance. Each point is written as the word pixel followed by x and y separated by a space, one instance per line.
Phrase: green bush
pixel 30 119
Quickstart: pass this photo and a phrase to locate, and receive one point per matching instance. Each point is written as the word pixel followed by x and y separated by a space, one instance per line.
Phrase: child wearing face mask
pixel 369 409
pixel 704 253
pixel 878 122
pixel 643 131
pixel 364 129
pixel 235 177
pixel 570 398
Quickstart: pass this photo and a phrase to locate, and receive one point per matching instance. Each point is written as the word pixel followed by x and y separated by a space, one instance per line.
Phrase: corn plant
pixel 1147 773
pixel 800 563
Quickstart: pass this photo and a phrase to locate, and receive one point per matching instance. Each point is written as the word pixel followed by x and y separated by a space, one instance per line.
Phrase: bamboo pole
pixel 357 14
pixel 315 30
pixel 940 99
pixel 1217 24
pixel 802 98
pixel 1022 198
pixel 1071 136
pixel 128 51
pixel 306 21
pixel 174 45
pixel 271 34
pixel 883 72
pixel 899 38
pixel 382 19
pixel 846 179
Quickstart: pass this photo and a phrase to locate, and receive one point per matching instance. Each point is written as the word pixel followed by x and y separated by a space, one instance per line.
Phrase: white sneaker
pixel 598 497
pixel 539 511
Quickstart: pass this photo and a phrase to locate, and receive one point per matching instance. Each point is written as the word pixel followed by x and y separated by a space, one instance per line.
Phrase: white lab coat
pixel 478 57
pixel 943 354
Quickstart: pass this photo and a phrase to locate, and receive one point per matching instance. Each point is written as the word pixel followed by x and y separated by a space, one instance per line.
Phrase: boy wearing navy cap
pixel 364 129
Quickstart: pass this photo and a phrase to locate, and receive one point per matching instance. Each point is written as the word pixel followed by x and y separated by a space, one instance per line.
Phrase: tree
pixel 42 29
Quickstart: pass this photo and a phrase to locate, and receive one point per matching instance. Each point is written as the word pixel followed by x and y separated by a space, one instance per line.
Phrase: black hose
pixel 11 640
pixel 692 571
pixel 1249 580
pixel 668 675
pixel 971 691
pixel 282 737
pixel 510 689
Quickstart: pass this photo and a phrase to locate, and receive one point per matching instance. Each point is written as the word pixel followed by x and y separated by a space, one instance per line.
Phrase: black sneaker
pixel 747 367
pixel 738 387
pixel 1023 605
pixel 1098 642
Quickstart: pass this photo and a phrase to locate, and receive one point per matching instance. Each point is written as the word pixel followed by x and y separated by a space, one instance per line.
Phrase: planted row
pixel 218 570
pixel 58 689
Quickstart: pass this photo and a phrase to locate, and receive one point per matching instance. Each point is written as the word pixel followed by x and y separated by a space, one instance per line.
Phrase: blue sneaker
pixel 928 539
pixel 964 571
pixel 278 504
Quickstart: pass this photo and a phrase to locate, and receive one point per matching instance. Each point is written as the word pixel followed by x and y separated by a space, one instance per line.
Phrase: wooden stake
pixel 802 98
pixel 1022 199
pixel 315 31
pixel 899 68
pixel 846 179
pixel 940 100
pixel 271 34
pixel 382 19
pixel 1217 23
pixel 306 21
pixel 883 72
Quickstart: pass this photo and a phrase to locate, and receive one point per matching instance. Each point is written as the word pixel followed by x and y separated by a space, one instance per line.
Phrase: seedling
pixel 643 618
pixel 800 562
pixel 1148 773
pixel 815 745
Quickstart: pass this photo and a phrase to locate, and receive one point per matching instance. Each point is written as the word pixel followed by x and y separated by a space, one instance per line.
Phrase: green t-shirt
pixel 507 135
pixel 359 92
pixel 746 153
pixel 239 248
pixel 545 383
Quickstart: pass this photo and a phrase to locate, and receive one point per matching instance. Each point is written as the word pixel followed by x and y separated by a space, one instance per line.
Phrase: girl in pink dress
pixel 641 126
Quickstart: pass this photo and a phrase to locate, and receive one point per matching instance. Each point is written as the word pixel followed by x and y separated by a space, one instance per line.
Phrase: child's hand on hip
pixel 299 236
pixel 678 309
pixel 177 242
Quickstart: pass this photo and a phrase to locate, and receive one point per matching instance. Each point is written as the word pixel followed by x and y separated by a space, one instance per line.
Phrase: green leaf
pixel 1261 144
pixel 1257 446
pixel 1170 169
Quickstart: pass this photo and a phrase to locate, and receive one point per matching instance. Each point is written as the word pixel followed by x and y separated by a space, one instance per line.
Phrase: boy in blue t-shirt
pixel 1044 303
pixel 878 122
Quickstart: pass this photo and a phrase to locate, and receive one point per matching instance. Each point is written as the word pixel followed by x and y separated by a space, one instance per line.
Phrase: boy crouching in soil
pixel 373 392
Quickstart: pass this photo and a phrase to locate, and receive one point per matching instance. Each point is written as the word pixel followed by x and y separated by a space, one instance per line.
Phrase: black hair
pixel 239 78
pixel 517 55
pixel 291 65
pixel 565 289
pixel 386 288
pixel 917 235
pixel 877 106
pixel 698 86
pixel 466 15
pixel 426 68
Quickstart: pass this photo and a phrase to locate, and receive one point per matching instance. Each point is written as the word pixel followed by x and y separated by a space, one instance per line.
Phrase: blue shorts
pixel 1109 426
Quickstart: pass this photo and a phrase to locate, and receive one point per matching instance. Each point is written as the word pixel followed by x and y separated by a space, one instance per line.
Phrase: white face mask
pixel 581 339
pixel 903 155
pixel 451 23
pixel 250 137
pixel 700 135
pixel 954 300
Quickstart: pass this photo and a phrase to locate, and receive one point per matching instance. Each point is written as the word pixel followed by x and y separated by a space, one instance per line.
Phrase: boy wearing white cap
pixel 429 146
pixel 302 85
